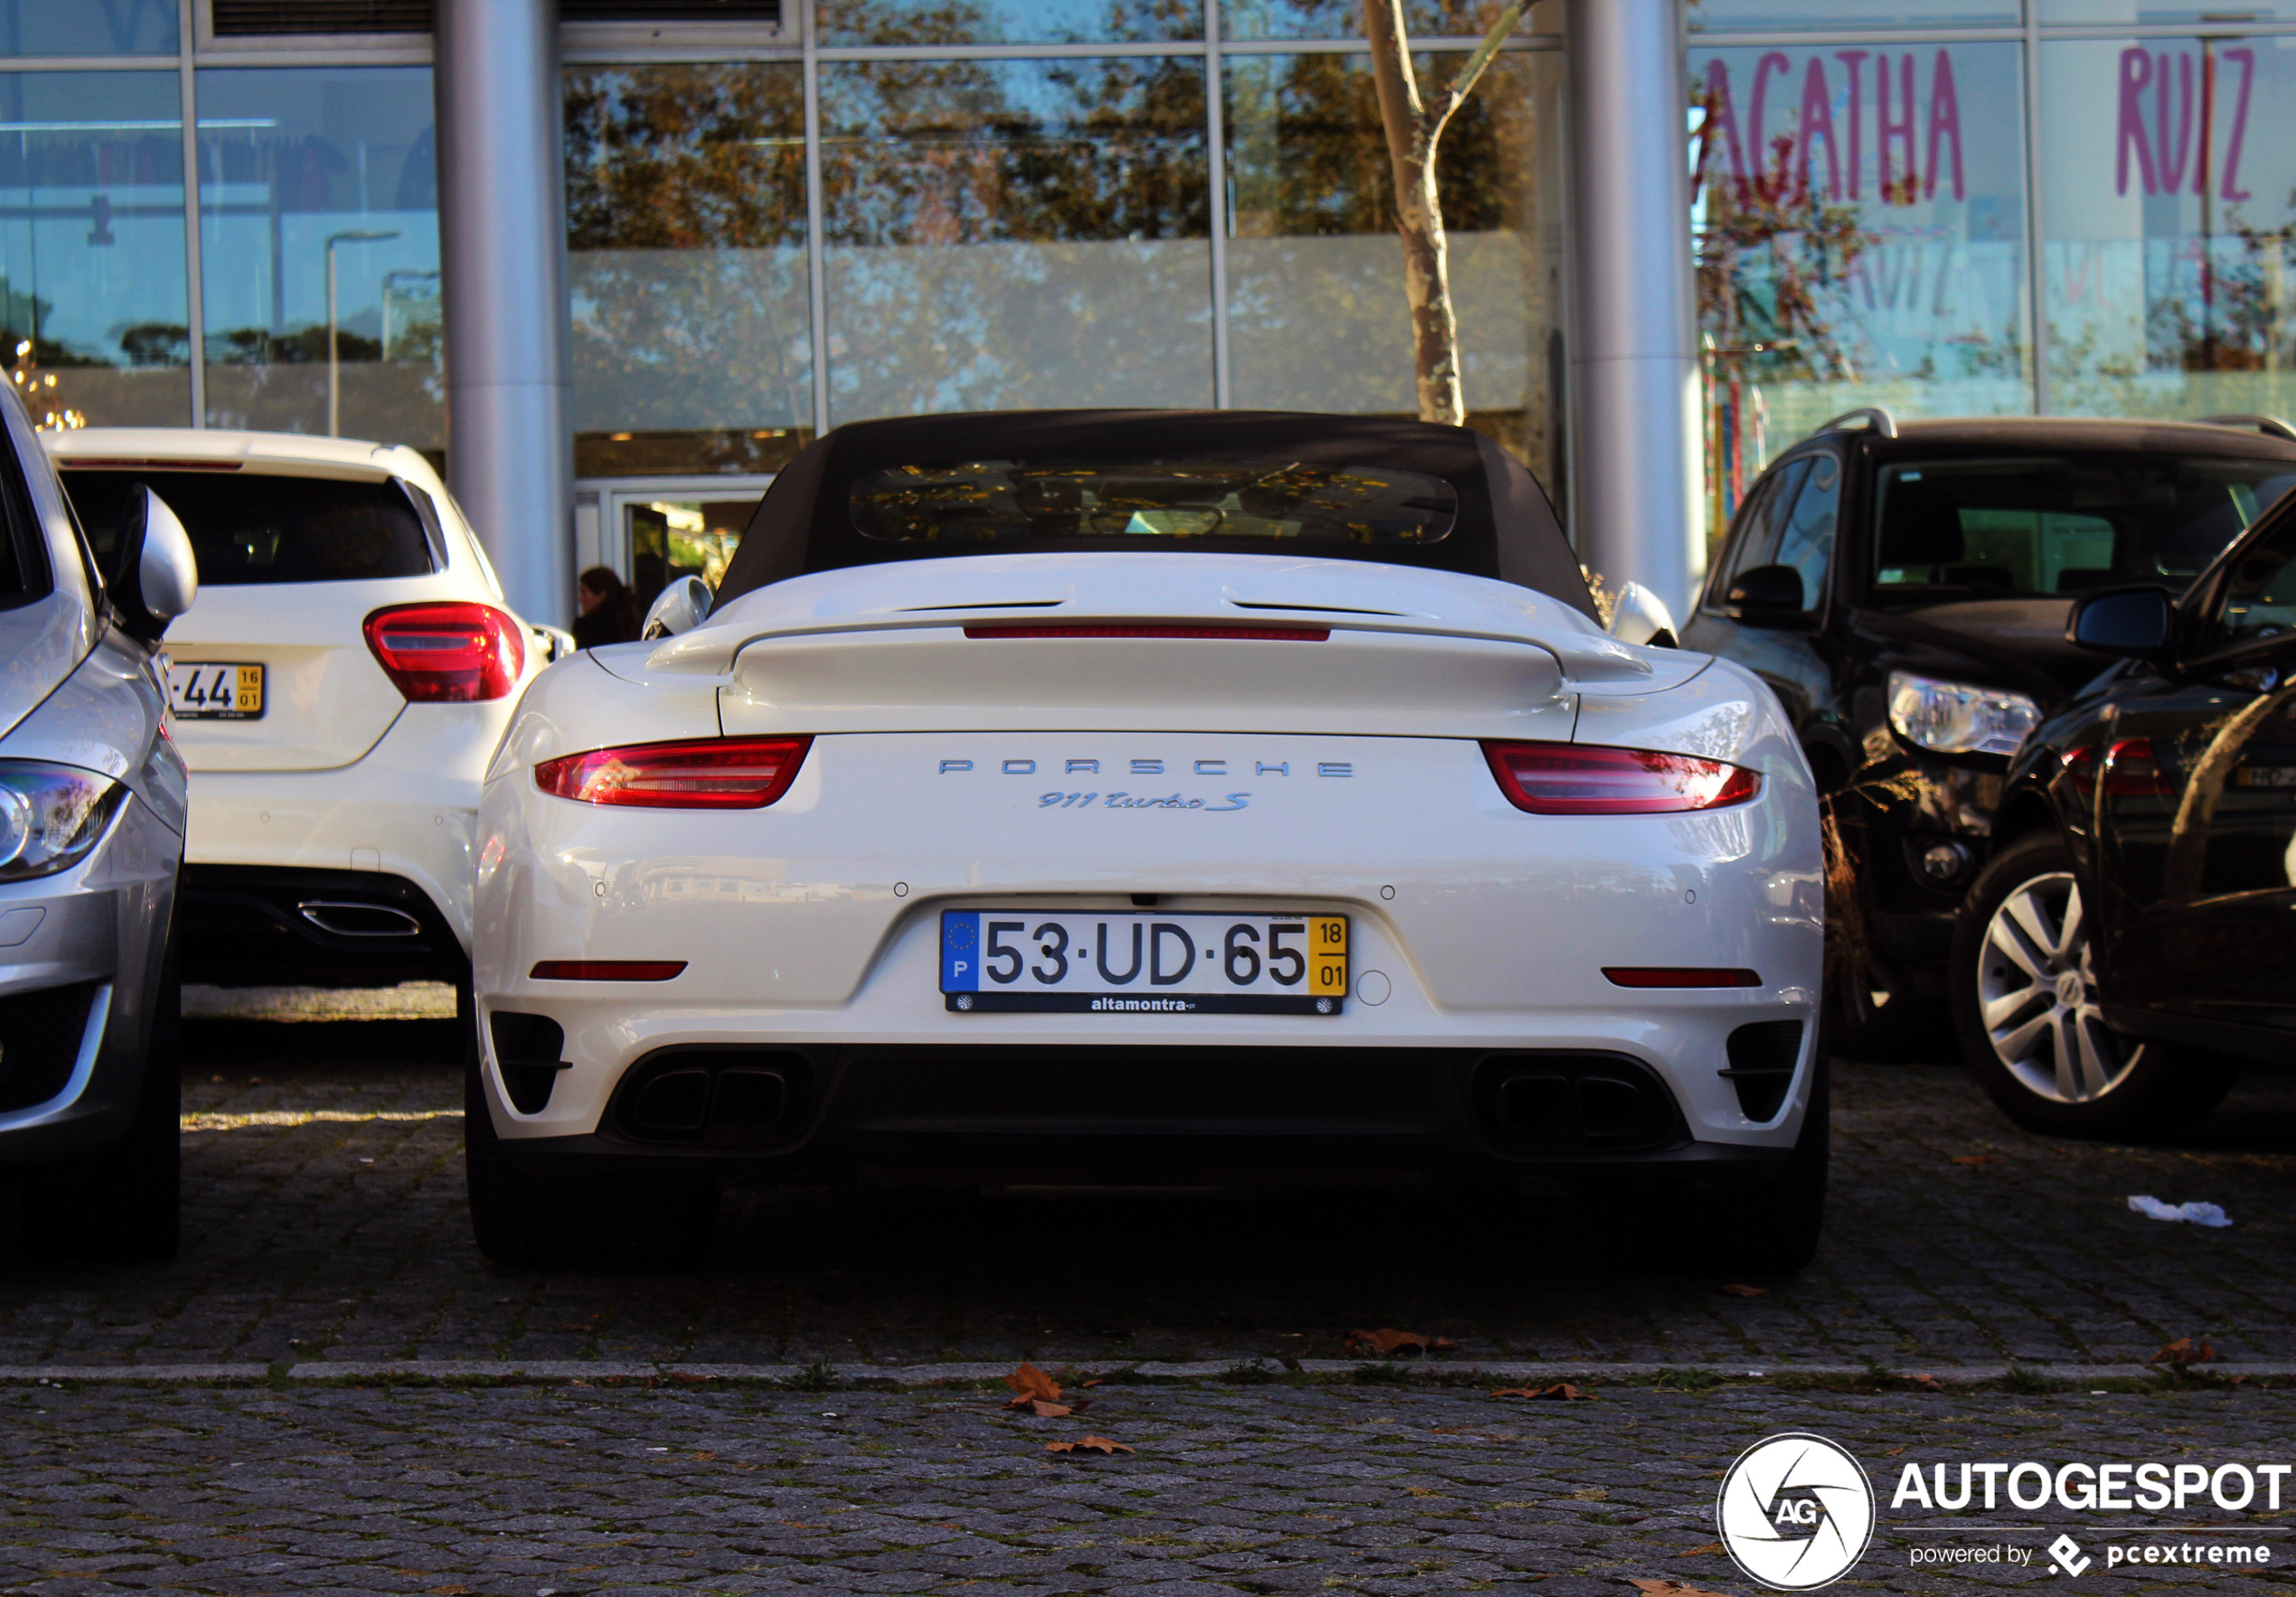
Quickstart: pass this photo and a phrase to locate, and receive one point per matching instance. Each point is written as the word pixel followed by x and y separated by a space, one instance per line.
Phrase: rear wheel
pixel 126 1202
pixel 526 1222
pixel 2024 1003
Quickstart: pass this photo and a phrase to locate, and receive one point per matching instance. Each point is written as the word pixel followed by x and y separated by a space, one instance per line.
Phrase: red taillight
pixel 1093 629
pixel 710 773
pixel 448 654
pixel 1678 976
pixel 1569 779
pixel 608 970
pixel 2133 771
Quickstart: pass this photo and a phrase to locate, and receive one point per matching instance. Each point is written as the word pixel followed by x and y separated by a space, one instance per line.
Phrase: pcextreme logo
pixel 1795 1512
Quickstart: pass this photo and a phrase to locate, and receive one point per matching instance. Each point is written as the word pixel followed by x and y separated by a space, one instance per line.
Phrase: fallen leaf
pixel 2185 1350
pixel 1977 1158
pixel 1891 1452
pixel 1387 1340
pixel 704 1457
pixel 1928 1383
pixel 1671 1589
pixel 1738 1288
pixel 1096 1383
pixel 1030 1382
pixel 1561 1391
pixel 1041 1409
pixel 1092 1443
pixel 1706 1549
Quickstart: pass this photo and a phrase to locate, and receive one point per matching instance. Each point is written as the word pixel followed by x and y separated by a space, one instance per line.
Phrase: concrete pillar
pixel 502 244
pixel 1639 479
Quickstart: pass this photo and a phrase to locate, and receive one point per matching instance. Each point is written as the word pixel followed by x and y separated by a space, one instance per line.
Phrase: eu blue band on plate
pixel 960 952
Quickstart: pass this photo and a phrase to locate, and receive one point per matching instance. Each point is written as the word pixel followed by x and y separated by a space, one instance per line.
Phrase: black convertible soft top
pixel 1504 526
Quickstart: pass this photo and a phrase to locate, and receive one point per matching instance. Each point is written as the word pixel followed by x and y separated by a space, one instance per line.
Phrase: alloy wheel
pixel 2037 993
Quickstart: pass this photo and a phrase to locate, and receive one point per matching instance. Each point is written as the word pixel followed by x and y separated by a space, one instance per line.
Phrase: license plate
pixel 2265 776
pixel 214 691
pixel 1167 962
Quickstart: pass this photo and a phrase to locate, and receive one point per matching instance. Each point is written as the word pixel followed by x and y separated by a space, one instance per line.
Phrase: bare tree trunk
pixel 1414 128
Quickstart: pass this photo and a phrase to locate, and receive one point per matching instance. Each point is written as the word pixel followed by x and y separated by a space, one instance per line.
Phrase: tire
pixel 524 1222
pixel 2022 990
pixel 126 1202
pixel 1774 1230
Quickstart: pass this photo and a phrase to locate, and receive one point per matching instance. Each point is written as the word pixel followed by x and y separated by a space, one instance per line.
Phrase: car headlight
pixel 1954 718
pixel 51 816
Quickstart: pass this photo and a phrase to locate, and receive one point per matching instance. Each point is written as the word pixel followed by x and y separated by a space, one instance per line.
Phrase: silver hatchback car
pixel 92 805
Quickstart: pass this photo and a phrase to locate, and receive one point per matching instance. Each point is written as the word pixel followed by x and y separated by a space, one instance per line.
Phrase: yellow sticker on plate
pixel 251 691
pixel 1327 955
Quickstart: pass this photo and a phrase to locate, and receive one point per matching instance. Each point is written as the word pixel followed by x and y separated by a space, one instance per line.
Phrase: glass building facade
pixel 2079 207
pixel 883 206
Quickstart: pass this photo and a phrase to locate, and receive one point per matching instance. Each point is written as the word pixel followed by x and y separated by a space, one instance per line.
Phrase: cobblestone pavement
pixel 1271 1488
pixel 326 1220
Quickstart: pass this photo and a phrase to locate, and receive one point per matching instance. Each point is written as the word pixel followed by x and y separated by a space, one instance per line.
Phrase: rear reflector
pixel 608 970
pixel 710 774
pixel 1678 976
pixel 1087 629
pixel 448 654
pixel 1573 779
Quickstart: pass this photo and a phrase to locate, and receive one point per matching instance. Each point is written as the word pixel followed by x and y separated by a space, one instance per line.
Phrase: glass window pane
pixel 1830 15
pixel 1344 19
pixel 92 282
pixel 1015 234
pixel 1859 222
pixel 1006 21
pixel 2168 165
pixel 250 529
pixel 2038 527
pixel 2123 12
pixel 299 166
pixel 1317 316
pixel 88 27
pixel 685 213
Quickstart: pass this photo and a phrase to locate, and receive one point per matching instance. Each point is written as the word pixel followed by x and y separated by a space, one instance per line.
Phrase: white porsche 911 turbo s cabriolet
pixel 1125 797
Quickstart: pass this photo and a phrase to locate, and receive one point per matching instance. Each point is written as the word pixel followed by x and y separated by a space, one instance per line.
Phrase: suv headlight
pixel 1954 718
pixel 51 816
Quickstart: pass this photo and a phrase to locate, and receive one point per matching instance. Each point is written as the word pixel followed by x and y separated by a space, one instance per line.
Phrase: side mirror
pixel 682 607
pixel 1767 596
pixel 1641 616
pixel 2136 622
pixel 154 575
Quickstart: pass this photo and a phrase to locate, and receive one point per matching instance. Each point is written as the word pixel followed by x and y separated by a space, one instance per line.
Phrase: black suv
pixel 1905 588
pixel 2134 937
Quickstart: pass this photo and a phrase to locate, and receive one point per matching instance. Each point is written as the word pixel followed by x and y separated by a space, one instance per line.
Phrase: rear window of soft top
pixel 248 529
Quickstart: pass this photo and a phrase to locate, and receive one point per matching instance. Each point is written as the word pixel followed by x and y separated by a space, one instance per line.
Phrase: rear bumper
pixel 1114 1114
pixel 402 819
pixel 251 924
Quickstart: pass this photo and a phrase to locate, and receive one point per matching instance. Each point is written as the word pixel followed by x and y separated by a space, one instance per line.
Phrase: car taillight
pixel 1573 779
pixel 2131 770
pixel 448 654
pixel 712 774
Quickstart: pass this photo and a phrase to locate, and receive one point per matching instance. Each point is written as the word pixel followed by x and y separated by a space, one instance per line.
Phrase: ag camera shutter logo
pixel 1796 1512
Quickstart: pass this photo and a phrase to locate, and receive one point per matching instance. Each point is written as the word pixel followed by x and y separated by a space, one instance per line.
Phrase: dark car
pixel 2133 939
pixel 1905 589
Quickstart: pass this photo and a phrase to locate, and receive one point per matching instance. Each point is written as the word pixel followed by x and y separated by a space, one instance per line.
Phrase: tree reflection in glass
pixel 1014 234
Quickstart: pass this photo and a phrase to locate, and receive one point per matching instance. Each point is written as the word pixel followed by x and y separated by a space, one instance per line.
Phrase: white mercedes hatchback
pixel 1108 797
pixel 337 689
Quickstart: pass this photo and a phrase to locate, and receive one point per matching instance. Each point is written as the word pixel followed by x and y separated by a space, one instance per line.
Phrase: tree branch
pixel 1471 70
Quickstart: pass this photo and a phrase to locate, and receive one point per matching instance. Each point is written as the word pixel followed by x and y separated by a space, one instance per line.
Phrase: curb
pixel 861 1376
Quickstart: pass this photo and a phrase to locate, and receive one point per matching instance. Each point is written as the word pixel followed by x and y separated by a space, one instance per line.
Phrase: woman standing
pixel 609 609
